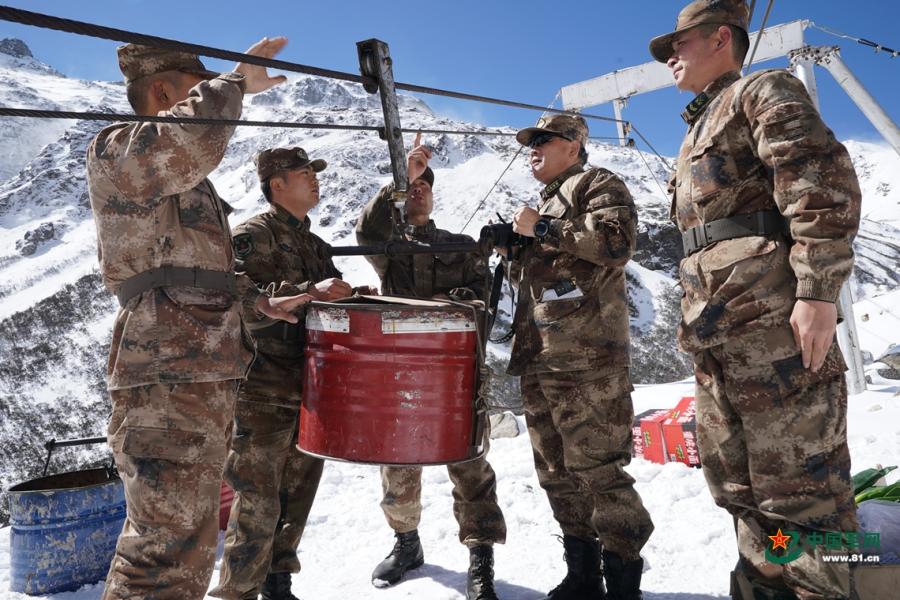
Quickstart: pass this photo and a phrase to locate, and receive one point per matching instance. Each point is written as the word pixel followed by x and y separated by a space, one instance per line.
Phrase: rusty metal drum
pixel 390 381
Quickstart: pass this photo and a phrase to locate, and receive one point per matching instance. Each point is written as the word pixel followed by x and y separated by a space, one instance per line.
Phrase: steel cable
pixel 6 111
pixel 878 47
pixel 25 17
pixel 759 35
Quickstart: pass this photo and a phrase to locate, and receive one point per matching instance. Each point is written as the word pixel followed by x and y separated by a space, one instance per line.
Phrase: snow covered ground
pixel 689 555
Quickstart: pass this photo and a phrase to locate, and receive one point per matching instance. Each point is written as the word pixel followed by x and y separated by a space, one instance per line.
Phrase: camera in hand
pixel 502 235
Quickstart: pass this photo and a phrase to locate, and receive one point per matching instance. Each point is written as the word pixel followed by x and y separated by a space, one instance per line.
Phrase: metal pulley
pixel 375 65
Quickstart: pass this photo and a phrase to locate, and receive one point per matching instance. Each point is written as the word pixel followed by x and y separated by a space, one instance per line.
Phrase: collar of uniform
pixel 699 104
pixel 419 231
pixel 554 185
pixel 284 216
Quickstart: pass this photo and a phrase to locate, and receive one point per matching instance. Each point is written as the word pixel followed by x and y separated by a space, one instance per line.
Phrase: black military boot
pixel 583 580
pixel 623 577
pixel 277 586
pixel 480 580
pixel 406 556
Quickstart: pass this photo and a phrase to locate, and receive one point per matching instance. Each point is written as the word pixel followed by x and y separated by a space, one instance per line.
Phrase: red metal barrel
pixel 389 382
pixel 226 497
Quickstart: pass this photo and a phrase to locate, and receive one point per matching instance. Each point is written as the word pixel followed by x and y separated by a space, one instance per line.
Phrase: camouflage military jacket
pixel 755 144
pixel 420 275
pixel 153 206
pixel 572 312
pixel 278 251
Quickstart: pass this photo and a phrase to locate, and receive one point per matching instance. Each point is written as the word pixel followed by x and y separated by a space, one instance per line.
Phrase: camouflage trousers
pixel 274 488
pixel 773 445
pixel 169 442
pixel 580 427
pixel 474 500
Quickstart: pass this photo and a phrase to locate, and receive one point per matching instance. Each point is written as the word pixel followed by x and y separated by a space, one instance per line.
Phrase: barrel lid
pixel 66 481
pixel 403 300
pixel 381 303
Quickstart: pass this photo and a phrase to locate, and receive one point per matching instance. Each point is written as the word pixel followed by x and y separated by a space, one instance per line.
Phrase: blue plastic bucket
pixel 64 530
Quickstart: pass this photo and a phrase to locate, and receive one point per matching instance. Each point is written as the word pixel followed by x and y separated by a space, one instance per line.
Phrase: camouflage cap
pixel 571 127
pixel 137 61
pixel 428 176
pixel 702 12
pixel 271 161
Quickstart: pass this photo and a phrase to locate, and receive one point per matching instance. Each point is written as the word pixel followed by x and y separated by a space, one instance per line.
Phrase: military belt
pixel 170 276
pixel 764 222
pixel 284 331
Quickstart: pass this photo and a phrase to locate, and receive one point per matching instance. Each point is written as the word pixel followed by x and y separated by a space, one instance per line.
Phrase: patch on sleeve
pixel 243 245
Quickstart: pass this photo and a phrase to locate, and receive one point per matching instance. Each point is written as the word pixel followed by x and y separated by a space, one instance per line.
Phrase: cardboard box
pixel 680 433
pixel 647 435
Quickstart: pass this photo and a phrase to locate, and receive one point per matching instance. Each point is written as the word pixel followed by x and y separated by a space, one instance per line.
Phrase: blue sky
pixel 521 50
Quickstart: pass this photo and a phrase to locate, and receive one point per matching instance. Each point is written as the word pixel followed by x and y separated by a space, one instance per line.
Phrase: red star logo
pixel 779 540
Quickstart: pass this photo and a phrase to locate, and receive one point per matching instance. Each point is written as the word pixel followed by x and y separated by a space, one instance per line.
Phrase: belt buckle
pixel 693 242
pixel 707 240
pixel 687 239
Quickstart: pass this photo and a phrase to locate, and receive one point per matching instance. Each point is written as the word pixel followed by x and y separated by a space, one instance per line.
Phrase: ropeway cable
pixel 509 164
pixel 6 111
pixel 878 47
pixel 759 35
pixel 25 17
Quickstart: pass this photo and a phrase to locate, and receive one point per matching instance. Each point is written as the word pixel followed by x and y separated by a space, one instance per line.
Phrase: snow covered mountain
pixel 55 316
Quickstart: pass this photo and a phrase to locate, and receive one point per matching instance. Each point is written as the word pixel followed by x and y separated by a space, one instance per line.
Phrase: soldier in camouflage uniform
pixel 275 484
pixel 179 344
pixel 571 348
pixel 457 277
pixel 768 203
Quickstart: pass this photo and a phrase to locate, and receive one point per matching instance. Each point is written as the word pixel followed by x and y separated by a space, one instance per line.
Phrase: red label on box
pixel 647 435
pixel 680 433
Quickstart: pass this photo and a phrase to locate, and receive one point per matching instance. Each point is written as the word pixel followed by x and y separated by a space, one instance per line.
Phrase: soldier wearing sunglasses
pixel 571 348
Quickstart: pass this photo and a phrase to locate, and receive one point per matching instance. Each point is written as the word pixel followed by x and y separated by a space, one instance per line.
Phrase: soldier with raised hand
pixel 274 483
pixel 179 344
pixel 571 349
pixel 768 203
pixel 448 276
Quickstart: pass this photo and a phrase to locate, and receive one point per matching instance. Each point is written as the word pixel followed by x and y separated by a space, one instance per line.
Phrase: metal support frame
pixel 803 68
pixel 848 340
pixel 619 105
pixel 776 42
pixel 375 63
pixel 829 57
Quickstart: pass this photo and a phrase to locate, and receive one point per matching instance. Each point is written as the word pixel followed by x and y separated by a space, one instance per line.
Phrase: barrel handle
pixel 53 444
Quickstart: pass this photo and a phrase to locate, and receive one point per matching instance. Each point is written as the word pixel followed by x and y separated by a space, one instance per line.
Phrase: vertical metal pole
pixel 618 107
pixel 848 337
pixel 848 340
pixel 831 60
pixel 375 62
pixel 806 74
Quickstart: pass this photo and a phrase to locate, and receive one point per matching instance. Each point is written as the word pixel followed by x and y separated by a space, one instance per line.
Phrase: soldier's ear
pixel 724 36
pixel 160 92
pixel 574 148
